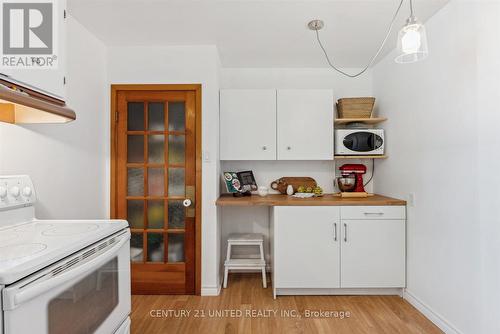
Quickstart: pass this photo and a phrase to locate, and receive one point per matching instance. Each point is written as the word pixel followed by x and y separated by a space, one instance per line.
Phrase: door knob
pixel 187 202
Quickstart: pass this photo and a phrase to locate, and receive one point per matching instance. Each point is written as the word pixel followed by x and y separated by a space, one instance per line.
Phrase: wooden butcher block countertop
pixel 326 200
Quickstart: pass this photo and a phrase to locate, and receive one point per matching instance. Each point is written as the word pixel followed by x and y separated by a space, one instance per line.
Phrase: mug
pixel 262 191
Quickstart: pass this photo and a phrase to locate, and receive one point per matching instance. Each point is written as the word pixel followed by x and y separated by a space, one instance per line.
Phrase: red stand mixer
pixel 353 171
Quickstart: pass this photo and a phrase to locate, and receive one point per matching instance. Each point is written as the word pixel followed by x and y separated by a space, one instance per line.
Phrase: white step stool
pixel 245 239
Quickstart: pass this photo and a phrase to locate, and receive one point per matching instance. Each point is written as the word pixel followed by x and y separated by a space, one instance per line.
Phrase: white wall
pixel 256 220
pixel 184 65
pixel 488 90
pixel 443 147
pixel 67 161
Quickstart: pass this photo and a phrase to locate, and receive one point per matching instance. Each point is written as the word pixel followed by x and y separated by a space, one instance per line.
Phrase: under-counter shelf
pixel 361 157
pixel 374 120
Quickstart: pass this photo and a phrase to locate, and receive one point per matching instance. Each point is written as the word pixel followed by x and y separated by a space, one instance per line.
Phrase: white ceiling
pixel 253 33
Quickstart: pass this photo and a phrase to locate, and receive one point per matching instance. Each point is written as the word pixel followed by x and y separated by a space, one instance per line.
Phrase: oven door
pixel 88 292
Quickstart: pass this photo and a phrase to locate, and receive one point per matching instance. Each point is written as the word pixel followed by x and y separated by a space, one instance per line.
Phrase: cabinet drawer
pixel 373 212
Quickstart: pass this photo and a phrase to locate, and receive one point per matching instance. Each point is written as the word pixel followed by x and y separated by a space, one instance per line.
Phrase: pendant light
pixel 412 41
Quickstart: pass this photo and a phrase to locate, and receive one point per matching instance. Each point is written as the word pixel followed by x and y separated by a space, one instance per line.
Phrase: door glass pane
pixel 155 214
pixel 135 119
pixel 135 213
pixel 156 186
pixel 176 149
pixel 156 148
pixel 176 214
pixel 176 182
pixel 175 247
pixel 85 305
pixel 176 116
pixel 155 247
pixel 156 116
pixel 136 247
pixel 135 149
pixel 135 182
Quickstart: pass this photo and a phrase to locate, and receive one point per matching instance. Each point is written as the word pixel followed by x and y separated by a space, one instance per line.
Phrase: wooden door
pixel 155 179
pixel 305 124
pixel 306 247
pixel 248 124
pixel 373 253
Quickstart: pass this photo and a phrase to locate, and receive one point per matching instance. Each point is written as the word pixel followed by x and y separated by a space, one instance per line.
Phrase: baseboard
pixel 210 291
pixel 430 314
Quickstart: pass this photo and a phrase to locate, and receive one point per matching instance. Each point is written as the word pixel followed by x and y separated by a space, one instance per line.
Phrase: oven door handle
pixel 16 296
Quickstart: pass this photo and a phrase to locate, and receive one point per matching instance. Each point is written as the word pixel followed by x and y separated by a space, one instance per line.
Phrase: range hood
pixel 23 104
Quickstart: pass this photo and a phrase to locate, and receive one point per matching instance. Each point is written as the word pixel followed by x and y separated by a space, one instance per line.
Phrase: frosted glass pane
pixel 156 184
pixel 176 247
pixel 155 214
pixel 135 182
pixel 136 247
pixel 155 247
pixel 176 184
pixel 176 116
pixel 135 213
pixel 176 149
pixel 156 116
pixel 156 148
pixel 176 214
pixel 135 149
pixel 135 116
pixel 135 119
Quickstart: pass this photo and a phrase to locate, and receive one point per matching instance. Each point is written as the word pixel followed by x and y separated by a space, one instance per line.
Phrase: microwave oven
pixel 359 142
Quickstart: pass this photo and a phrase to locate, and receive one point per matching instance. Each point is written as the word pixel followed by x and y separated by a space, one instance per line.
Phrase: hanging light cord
pixel 373 58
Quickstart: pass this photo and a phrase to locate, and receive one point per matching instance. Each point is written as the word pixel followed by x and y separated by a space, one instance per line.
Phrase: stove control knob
pixel 3 193
pixel 27 191
pixel 15 192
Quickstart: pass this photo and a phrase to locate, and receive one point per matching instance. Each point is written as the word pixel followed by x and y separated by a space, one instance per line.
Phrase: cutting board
pixel 353 194
pixel 295 181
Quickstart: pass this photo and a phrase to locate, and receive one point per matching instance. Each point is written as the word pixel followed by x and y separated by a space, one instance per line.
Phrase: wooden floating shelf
pixel 361 157
pixel 374 120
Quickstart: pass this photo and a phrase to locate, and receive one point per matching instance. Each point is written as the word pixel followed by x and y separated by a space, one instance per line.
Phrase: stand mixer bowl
pixel 346 183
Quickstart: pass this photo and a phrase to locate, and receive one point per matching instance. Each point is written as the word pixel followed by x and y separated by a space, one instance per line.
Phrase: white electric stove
pixel 60 276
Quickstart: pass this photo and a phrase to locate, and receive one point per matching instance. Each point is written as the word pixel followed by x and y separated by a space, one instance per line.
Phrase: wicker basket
pixel 355 107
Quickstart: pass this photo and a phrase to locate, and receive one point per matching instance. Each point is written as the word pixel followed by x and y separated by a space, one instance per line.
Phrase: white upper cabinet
pixel 288 124
pixel 248 124
pixel 305 124
pixel 51 81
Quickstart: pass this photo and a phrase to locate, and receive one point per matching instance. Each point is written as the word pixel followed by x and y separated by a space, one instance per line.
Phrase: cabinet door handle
pixel 345 232
pixel 264 148
pixel 288 148
pixel 335 231
pixel 374 213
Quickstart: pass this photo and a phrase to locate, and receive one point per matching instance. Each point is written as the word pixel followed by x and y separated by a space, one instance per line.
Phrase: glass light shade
pixel 412 42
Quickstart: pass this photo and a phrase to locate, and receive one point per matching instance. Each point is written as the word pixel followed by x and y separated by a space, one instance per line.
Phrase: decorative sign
pixel 240 181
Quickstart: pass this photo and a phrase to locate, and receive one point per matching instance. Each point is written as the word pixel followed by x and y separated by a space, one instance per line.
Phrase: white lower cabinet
pixel 373 253
pixel 314 249
pixel 306 247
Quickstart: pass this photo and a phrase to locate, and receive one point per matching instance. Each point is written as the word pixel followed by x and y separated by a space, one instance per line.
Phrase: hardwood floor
pixel 231 312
